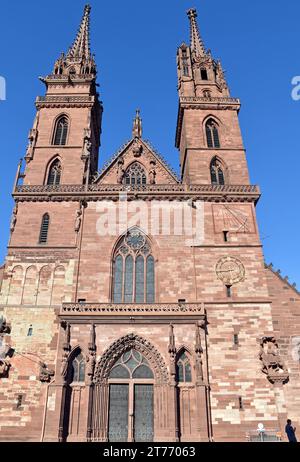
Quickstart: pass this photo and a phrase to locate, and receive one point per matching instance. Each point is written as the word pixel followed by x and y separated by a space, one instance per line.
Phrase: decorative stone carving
pixel 78 220
pixel 152 172
pixel 66 349
pixel 137 150
pixel 199 352
pixel 4 368
pixel 220 77
pixel 126 343
pixel 14 219
pixel 4 328
pixel 230 270
pixel 91 360
pixel 32 137
pixel 120 171
pixel 273 365
pixel 172 352
pixel 45 374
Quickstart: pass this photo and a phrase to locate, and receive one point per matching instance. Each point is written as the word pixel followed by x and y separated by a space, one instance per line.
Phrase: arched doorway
pixel 131 414
pixel 131 400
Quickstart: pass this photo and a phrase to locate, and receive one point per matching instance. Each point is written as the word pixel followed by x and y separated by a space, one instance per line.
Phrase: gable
pixel 137 151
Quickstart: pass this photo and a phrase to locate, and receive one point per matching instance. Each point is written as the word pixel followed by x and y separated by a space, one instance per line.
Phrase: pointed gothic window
pixel 133 270
pixel 204 75
pixel 61 132
pixel 212 134
pixel 135 175
pixel 44 229
pixel 78 368
pixel 54 173
pixel 184 371
pixel 217 173
pixel 185 64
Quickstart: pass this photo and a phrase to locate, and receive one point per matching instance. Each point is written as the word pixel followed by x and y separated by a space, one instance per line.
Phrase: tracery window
pixel 217 173
pixel 135 175
pixel 78 368
pixel 131 365
pixel 61 131
pixel 183 366
pixel 212 134
pixel 54 175
pixel 133 270
pixel 185 64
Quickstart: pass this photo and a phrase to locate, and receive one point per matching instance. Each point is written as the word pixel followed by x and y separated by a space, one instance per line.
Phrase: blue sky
pixel 135 44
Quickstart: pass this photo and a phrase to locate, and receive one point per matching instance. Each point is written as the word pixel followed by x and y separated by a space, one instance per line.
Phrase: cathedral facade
pixel 136 305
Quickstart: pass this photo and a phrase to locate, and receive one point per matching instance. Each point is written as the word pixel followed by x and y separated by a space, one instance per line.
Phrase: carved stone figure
pixel 78 220
pixel 152 173
pixel 137 150
pixel 199 352
pixel 66 349
pixel 45 373
pixel 172 352
pixel 4 328
pixel 273 365
pixel 4 368
pixel 121 171
pixel 31 144
pixel 14 219
pixel 86 148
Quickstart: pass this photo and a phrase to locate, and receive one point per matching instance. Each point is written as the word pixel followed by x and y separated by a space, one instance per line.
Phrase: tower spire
pixel 81 45
pixel 137 130
pixel 79 59
pixel 197 45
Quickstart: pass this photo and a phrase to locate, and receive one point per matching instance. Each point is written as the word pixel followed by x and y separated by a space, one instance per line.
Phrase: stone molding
pixel 95 192
pixel 94 309
pixel 112 354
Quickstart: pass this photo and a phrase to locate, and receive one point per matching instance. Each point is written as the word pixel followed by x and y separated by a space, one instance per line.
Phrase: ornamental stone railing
pixel 201 99
pixel 158 188
pixel 107 309
pixel 65 99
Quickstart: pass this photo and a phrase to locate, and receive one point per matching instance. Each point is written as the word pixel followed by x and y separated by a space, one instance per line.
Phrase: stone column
pixel 202 388
pixel 173 382
pixel 64 376
pixel 90 374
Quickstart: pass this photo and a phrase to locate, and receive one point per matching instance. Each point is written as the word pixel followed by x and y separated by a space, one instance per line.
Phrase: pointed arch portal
pixel 125 378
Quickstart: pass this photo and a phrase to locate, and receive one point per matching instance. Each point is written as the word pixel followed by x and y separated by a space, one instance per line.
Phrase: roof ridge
pixel 111 160
pixel 283 279
pixel 163 160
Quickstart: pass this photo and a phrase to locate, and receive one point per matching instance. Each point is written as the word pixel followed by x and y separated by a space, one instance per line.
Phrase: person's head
pixel 289 422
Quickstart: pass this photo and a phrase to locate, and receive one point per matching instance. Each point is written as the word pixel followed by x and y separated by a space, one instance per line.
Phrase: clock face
pixel 230 270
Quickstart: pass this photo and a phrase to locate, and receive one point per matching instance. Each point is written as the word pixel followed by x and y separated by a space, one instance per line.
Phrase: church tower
pixel 117 322
pixel 65 138
pixel 208 133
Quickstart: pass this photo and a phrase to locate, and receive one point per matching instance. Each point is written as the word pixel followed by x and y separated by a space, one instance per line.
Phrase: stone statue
pixel 137 150
pixel 45 373
pixel 152 173
pixel 273 365
pixel 14 219
pixel 78 220
pixel 121 171
pixel 4 368
pixel 87 148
